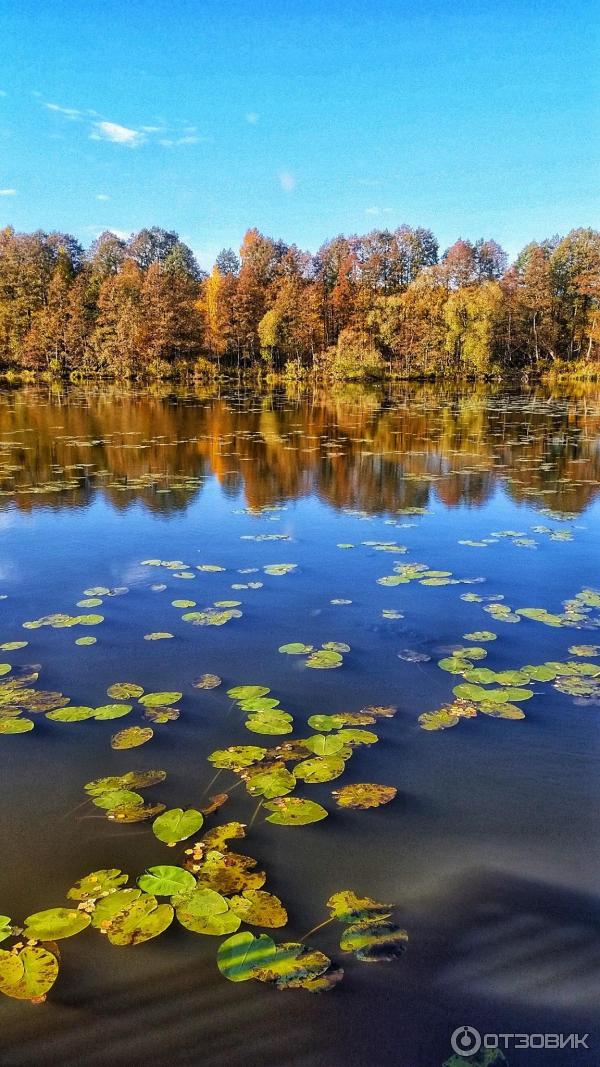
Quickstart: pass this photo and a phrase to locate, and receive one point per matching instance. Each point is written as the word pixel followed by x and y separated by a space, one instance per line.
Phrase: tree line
pixel 385 302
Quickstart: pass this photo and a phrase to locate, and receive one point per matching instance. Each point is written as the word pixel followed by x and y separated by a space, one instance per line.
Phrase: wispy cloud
pixel 112 131
pixel 170 142
pixel 379 211
pixel 101 129
pixel 287 181
pixel 3 93
pixel 252 117
pixel 8 192
pixel 69 112
pixel 102 196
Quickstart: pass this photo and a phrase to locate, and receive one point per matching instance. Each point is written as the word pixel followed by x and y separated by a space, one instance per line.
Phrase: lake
pixel 270 520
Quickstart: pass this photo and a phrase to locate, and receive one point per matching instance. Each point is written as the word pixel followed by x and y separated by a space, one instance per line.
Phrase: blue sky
pixel 303 118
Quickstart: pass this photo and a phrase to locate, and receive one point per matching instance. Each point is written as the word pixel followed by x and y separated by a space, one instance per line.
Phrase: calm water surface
pixel 490 849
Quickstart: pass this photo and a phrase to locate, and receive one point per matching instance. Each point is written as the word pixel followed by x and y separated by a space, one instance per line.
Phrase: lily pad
pixel 296 648
pixel 241 956
pixel 97 883
pixel 350 908
pixel 166 881
pixel 112 711
pixel 320 769
pixel 132 737
pixel 156 700
pixel 55 923
pixel 140 921
pixel 372 942
pixel 207 681
pixel 125 691
pixel 177 825
pixel 29 975
pixel 294 966
pixel 274 782
pixel 294 811
pixel 364 795
pixel 259 908
pixel 324 660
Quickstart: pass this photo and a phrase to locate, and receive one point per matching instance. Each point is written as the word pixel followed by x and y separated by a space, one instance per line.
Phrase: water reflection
pixel 376 452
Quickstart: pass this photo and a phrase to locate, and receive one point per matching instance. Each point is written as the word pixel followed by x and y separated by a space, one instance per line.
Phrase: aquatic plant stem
pixel 255 813
pixel 211 783
pixel 315 928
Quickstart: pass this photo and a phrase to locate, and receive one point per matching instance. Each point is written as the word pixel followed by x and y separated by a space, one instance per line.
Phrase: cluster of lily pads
pixel 422 573
pixel 498 693
pixel 216 890
pixel 271 775
pixel 19 699
pixel 576 610
pixel 327 657
pixel 519 537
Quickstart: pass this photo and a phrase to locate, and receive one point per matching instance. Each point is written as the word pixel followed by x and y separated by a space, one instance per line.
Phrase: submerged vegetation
pixel 363 307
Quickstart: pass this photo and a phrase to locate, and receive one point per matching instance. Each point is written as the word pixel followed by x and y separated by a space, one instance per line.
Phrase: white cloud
pixel 112 131
pixel 378 211
pixel 68 112
pixel 252 117
pixel 8 192
pixel 287 181
pixel 102 196
pixel 171 143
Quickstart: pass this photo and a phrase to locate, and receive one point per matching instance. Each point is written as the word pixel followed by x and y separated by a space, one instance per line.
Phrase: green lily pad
pixel 296 648
pixel 140 921
pixel 319 769
pixel 294 966
pixel 247 692
pixel 268 723
pixel 177 825
pixel 112 711
pixel 16 726
pixel 107 908
pixel 294 811
pixel 350 908
pixel 325 745
pixel 372 942
pixel 156 700
pixel 55 923
pixel 324 660
pixel 275 782
pixel 97 883
pixel 166 881
pixel 240 956
pixel 237 756
pixel 115 798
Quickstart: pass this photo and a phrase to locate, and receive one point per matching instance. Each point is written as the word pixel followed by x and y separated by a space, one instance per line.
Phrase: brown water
pixel 490 848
